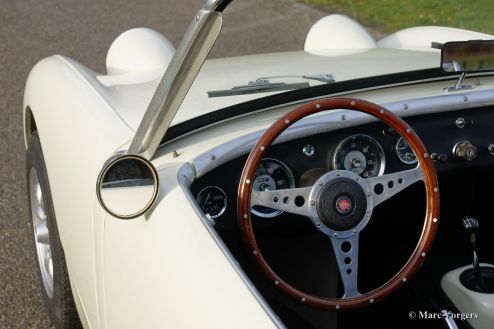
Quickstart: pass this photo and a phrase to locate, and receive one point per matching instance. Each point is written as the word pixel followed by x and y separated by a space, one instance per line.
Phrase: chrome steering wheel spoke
pixel 346 252
pixel 386 186
pixel 295 201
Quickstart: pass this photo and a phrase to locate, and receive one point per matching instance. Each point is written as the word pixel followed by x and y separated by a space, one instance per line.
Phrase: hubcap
pixel 41 232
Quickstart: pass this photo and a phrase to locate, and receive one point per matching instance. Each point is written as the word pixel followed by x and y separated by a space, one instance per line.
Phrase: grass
pixel 388 16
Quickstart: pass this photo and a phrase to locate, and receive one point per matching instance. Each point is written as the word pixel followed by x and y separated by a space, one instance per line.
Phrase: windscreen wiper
pixel 261 85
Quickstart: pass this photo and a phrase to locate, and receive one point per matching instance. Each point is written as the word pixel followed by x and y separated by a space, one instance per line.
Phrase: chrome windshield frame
pixel 178 78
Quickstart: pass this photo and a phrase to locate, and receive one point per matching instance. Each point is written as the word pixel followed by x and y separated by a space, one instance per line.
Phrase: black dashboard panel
pixel 439 132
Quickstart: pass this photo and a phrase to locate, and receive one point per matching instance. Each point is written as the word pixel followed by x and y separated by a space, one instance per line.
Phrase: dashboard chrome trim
pixel 186 176
pixel 331 121
pixel 300 102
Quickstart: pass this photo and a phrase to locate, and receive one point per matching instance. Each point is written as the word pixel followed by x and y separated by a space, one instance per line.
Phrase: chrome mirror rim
pixel 108 165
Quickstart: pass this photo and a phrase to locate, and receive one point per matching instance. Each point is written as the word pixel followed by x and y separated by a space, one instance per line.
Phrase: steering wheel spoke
pixel 346 252
pixel 294 200
pixel 386 186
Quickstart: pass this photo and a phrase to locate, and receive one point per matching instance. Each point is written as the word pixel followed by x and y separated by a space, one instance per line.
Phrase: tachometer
pixel 405 152
pixel 212 200
pixel 271 175
pixel 360 154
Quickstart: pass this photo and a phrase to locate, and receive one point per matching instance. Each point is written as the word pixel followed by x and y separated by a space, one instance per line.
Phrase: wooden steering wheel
pixel 340 205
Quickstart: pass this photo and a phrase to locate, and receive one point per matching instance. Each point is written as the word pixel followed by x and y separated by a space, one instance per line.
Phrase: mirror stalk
pixel 459 84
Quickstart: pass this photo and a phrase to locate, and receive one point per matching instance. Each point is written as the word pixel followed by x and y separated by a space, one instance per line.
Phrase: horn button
pixel 341 204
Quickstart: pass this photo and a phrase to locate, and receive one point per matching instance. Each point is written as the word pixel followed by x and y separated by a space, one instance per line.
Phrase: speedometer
pixel 360 154
pixel 405 152
pixel 271 175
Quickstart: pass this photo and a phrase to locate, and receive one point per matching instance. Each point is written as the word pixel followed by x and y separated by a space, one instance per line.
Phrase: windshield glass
pixel 277 46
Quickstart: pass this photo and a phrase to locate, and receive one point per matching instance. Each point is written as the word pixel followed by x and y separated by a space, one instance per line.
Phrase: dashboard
pixel 455 140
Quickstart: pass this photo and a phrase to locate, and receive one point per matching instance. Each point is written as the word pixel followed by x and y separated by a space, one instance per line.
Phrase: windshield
pixel 278 46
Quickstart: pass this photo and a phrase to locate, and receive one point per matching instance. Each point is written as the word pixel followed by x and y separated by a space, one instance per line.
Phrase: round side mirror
pixel 127 186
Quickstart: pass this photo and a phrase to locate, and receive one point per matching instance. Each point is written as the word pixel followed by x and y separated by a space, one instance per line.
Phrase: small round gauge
pixel 405 152
pixel 212 200
pixel 271 175
pixel 360 154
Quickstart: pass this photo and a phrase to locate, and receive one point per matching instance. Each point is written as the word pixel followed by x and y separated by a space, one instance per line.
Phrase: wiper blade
pixel 258 86
pixel 265 85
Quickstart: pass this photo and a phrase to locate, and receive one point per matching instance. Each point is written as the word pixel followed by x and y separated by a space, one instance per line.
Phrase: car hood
pixel 129 94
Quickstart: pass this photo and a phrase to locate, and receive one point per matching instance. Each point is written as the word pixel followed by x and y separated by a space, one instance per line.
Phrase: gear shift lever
pixel 472 225
pixel 479 279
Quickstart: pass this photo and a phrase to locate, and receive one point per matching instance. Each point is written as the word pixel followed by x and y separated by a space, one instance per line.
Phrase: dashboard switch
pixel 465 150
pixel 439 157
pixel 309 150
pixel 490 148
pixel 462 123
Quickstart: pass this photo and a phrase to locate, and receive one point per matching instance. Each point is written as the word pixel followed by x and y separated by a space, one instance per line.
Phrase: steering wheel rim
pixel 425 165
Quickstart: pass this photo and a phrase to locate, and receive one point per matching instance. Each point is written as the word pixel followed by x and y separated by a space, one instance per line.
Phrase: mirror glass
pixel 128 186
pixel 468 56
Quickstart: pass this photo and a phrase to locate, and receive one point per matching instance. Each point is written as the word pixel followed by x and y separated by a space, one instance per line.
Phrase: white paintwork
pixel 65 104
pixel 139 50
pixel 130 97
pixel 338 34
pixel 467 301
pixel 127 200
pixel 164 269
pixel 420 38
pixel 168 271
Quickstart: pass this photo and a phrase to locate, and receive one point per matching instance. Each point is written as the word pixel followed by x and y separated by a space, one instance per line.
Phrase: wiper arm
pixel 327 78
pixel 258 86
pixel 265 85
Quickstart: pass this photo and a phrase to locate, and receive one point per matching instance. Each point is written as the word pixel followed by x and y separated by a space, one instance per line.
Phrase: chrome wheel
pixel 41 232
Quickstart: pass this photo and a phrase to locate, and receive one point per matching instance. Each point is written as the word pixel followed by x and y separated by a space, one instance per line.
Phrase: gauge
pixel 271 175
pixel 212 201
pixel 360 154
pixel 405 152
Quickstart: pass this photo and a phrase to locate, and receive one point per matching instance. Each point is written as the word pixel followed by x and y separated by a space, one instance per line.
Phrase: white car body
pixel 168 268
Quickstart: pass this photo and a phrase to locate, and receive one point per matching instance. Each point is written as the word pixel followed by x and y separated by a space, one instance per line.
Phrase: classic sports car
pixel 298 189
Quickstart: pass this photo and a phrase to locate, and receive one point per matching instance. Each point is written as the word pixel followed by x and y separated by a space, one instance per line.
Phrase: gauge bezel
pixel 222 211
pixel 380 150
pixel 291 178
pixel 398 154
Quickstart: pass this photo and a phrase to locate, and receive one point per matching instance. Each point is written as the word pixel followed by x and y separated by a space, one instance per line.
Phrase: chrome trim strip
pixel 438 79
pixel 327 122
pixel 179 76
pixel 186 176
